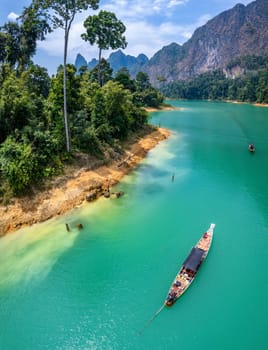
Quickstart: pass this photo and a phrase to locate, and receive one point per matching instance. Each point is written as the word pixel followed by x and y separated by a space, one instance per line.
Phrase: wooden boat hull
pixel 190 267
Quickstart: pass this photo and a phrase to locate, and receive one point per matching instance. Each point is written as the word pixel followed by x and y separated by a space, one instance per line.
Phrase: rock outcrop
pixel 240 31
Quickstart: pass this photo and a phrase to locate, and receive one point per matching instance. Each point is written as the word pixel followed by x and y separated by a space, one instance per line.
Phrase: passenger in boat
pixel 176 285
pixel 172 295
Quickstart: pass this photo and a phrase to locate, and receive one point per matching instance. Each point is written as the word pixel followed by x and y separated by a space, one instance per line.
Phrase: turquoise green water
pixel 96 288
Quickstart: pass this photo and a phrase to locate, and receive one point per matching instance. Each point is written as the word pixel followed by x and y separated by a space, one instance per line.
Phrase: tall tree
pixel 34 27
pixel 61 14
pixel 11 37
pixel 106 31
pixel 54 102
pixel 18 39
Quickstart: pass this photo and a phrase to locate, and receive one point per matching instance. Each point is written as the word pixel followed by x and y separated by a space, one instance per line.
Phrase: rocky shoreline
pixel 80 185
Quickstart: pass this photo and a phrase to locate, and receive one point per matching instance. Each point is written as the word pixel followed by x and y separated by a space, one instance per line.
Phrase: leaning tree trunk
pixel 66 35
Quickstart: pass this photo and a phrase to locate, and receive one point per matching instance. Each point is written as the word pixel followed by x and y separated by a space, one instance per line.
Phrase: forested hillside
pixel 250 86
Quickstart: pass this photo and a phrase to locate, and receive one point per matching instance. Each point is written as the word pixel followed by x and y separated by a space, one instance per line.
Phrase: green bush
pixel 18 165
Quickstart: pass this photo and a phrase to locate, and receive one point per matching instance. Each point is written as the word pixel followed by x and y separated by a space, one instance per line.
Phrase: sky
pixel 151 24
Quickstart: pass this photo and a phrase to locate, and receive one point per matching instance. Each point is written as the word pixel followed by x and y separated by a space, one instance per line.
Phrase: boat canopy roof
pixel 193 260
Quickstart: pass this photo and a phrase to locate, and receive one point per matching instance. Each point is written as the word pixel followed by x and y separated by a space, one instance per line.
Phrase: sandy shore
pixel 245 103
pixel 68 191
pixel 164 108
pixel 260 104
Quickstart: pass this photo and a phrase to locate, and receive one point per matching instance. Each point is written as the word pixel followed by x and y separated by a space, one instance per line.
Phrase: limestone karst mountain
pixel 240 31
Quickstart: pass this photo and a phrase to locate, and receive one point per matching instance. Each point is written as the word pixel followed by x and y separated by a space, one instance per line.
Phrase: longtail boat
pixel 190 267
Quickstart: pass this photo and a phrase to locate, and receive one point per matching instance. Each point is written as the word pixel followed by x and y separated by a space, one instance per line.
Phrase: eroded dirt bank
pixel 72 189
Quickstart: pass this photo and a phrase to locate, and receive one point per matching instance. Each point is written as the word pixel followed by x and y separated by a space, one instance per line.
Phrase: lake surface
pixel 97 288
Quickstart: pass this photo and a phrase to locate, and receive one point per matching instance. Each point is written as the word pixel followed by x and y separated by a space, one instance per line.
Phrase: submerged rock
pixel 91 196
pixel 107 194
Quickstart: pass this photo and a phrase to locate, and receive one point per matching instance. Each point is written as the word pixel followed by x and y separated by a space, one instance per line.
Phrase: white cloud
pixel 173 3
pixel 142 35
pixel 139 8
pixel 151 38
pixel 147 44
pixel 54 43
pixel 12 16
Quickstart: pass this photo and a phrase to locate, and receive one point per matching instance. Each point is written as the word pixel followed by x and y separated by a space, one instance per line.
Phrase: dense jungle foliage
pixel 251 86
pixel 32 125
pixel 32 133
